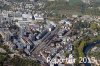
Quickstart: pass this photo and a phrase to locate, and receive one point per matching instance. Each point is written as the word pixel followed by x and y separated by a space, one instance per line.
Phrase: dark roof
pixel 55 64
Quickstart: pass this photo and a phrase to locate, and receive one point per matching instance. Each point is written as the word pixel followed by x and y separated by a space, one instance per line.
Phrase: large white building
pixel 38 17
pixel 51 0
pixel 58 0
pixel 88 1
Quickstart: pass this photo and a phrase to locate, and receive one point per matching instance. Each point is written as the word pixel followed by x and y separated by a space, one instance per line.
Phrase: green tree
pixel 80 48
pixel 17 61
pixel 93 26
pixel 3 57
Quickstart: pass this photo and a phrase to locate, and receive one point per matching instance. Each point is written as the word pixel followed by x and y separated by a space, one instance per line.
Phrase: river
pixel 88 47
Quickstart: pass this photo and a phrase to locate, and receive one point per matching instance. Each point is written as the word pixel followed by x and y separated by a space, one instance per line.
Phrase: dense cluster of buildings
pixel 23 31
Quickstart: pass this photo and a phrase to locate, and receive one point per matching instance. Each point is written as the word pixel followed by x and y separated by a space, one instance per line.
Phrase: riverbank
pixel 80 47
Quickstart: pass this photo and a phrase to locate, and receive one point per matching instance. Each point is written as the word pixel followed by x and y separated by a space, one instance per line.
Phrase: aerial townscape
pixel 49 32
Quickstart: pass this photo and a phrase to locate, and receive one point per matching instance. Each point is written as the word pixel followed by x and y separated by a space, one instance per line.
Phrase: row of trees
pixel 16 61
pixel 3 57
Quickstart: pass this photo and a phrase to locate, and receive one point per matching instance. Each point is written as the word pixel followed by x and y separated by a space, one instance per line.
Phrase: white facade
pixel 88 1
pixel 65 22
pixel 38 16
